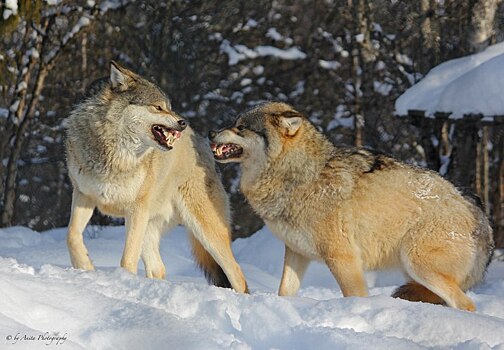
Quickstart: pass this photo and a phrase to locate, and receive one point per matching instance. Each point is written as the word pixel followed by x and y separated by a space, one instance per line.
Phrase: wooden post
pixel 485 194
pixel 499 202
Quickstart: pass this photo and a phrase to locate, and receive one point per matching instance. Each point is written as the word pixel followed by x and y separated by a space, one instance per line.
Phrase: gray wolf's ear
pixel 291 122
pixel 120 78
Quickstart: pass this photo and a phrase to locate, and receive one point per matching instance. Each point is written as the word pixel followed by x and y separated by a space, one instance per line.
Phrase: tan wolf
pixel 355 210
pixel 131 156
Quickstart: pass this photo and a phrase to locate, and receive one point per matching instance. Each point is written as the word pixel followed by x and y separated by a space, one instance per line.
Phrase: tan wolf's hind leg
pixel 207 218
pixel 82 210
pixel 294 268
pixel 154 267
pixel 448 289
pixel 413 291
pixel 438 274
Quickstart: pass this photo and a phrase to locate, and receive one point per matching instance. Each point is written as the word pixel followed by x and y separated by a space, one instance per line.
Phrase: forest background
pixel 343 63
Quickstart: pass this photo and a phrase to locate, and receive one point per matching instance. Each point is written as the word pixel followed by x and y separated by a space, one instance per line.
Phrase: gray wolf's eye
pixel 241 127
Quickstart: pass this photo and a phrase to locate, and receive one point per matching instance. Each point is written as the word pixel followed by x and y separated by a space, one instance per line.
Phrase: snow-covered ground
pixel 44 301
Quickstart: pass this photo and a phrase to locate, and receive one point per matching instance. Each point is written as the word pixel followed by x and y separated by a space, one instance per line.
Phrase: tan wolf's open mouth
pixel 226 151
pixel 166 137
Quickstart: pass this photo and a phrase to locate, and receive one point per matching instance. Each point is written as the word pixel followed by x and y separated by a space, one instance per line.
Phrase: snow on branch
pixel 88 15
pixel 237 53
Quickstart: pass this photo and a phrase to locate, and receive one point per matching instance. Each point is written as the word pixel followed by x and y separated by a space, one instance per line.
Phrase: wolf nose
pixel 182 123
pixel 212 134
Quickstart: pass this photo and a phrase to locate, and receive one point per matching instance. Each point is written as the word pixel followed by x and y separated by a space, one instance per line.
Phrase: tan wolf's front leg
pixel 82 210
pixel 347 269
pixel 294 268
pixel 136 225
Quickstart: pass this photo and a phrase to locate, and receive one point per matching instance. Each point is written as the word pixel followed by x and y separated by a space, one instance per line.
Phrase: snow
pixel 245 81
pixel 112 5
pixel 4 113
pixel 21 86
pixel 467 85
pixel 332 65
pixel 12 5
pixel 43 300
pixel 237 53
pixel 14 106
pixel 274 34
pixel 11 8
pixel 33 52
pixel 292 53
pixel 382 88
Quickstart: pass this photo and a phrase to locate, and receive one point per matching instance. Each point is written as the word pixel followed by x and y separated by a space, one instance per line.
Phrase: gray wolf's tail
pixel 484 244
pixel 212 271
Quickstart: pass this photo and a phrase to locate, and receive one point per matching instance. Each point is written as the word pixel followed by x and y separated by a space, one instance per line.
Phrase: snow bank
pixel 467 85
pixel 112 309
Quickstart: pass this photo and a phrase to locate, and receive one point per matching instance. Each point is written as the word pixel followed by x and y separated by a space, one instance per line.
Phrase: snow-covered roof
pixel 469 85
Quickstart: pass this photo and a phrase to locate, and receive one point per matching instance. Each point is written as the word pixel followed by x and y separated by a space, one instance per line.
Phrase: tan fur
pixel 356 210
pixel 116 166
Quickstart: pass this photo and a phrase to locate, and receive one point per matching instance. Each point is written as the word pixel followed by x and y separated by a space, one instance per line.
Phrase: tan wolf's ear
pixel 290 122
pixel 120 78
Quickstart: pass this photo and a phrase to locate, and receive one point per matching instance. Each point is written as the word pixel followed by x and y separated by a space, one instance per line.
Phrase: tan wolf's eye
pixel 158 108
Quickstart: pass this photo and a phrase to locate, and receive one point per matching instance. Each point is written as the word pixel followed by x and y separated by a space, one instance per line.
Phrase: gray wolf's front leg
pixel 136 225
pixel 82 210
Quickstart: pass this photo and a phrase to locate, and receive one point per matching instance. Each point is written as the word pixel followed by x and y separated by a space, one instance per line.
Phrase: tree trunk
pixel 462 170
pixel 485 171
pixel 363 56
pixel 84 62
pixel 499 197
pixel 12 170
pixel 430 36
pixel 482 24
pixel 445 149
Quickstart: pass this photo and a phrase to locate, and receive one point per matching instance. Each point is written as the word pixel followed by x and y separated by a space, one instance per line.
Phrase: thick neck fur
pixel 296 161
pixel 98 130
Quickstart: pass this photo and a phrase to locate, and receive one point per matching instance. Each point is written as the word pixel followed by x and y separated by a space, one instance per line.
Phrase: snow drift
pixel 40 295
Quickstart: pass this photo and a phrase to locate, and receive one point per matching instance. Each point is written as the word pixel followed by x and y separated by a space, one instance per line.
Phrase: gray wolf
pixel 130 155
pixel 355 210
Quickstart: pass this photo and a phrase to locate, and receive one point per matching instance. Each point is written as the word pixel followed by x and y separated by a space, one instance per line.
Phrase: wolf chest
pixel 298 241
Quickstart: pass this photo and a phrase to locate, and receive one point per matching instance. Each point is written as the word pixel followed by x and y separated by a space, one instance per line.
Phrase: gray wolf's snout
pixel 182 123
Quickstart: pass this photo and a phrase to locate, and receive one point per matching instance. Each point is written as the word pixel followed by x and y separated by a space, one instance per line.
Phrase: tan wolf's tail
pixel 414 291
pixel 212 271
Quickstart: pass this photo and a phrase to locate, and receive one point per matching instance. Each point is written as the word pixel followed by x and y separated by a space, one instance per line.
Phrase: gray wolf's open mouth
pixel 226 151
pixel 165 136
